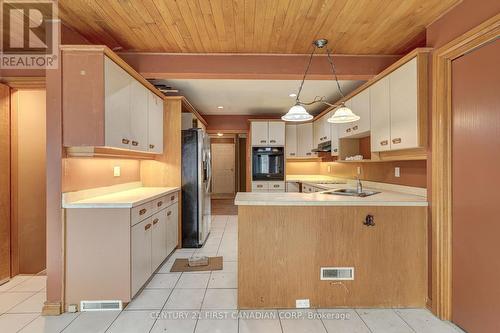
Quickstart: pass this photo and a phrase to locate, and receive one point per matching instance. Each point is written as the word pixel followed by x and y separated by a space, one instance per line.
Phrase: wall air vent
pixel 100 305
pixel 337 273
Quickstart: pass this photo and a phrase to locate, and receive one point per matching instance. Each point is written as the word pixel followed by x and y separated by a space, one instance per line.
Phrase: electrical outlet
pixel 359 170
pixel 397 172
pixel 117 171
pixel 329 169
pixel 302 303
pixel 72 308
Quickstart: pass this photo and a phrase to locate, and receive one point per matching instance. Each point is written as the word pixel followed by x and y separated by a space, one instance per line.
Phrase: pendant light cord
pixel 297 101
pixel 330 60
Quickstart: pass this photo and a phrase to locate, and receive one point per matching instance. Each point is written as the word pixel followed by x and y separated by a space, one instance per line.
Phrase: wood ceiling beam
pixel 255 66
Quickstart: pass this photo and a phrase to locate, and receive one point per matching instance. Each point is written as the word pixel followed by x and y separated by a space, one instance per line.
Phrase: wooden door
pixel 155 119
pixel 276 133
pixel 259 132
pixel 4 183
pixel 380 113
pixel 223 168
pixel 117 85
pixel 291 141
pixel 404 108
pixel 476 165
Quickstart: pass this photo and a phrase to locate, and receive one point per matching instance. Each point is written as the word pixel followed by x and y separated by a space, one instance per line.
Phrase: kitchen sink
pixel 350 192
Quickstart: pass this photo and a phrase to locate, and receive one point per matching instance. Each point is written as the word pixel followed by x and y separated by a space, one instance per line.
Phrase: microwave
pixel 268 163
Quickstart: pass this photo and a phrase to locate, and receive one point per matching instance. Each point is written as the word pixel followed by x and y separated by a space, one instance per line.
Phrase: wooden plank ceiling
pixel 253 26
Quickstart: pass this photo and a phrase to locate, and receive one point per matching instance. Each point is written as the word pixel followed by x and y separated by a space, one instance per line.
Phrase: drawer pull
pixel 263 141
pixel 172 198
pixel 276 185
pixel 335 150
pixel 292 154
pixel 151 146
pixel 348 130
pixel 308 154
pixel 273 141
pixel 135 143
pixel 143 211
pixel 355 128
pixel 159 204
pixel 155 221
pixel 147 226
pixel 384 143
pixel 169 213
pixel 259 186
pixel 396 140
pixel 125 141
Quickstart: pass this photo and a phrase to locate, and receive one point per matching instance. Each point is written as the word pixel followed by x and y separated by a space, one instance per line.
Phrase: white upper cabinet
pixel 345 130
pixel 276 133
pixel 321 129
pixel 259 131
pixel 305 140
pixel 155 119
pixel 117 86
pixel 268 133
pixel 334 129
pixel 404 108
pixel 291 141
pixel 380 115
pixel 361 107
pixel 138 116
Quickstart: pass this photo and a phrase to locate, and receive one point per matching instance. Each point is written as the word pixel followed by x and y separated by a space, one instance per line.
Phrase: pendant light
pixel 299 113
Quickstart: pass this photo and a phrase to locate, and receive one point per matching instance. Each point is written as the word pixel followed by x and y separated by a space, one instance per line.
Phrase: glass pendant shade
pixel 297 113
pixel 343 115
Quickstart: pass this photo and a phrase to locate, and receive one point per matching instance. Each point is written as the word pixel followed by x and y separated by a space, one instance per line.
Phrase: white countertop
pixel 122 199
pixel 384 198
pixel 309 178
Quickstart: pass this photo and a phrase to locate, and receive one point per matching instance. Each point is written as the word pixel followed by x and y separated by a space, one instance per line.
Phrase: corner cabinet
pixel 107 104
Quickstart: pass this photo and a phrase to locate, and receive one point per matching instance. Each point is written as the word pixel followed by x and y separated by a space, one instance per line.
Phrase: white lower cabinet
pixel 172 227
pixel 292 187
pixel 268 186
pixel 141 244
pixel 159 236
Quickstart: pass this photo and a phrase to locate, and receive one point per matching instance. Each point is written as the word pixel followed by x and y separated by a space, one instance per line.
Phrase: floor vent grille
pixel 337 273
pixel 100 305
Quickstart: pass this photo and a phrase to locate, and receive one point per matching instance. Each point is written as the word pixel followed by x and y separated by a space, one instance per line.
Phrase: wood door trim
pixel 442 160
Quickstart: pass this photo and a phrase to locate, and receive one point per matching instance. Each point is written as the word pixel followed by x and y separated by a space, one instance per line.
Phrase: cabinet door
pixel 334 130
pixel 159 239
pixel 155 120
pixel 380 110
pixel 345 130
pixel 276 133
pixel 317 132
pixel 172 227
pixel 305 140
pixel 259 133
pixel 404 111
pixel 139 116
pixel 361 107
pixel 291 140
pixel 292 187
pixel 141 241
pixel 117 85
pixel 327 128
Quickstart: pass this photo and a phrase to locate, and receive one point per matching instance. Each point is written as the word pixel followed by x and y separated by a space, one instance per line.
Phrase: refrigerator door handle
pixel 209 172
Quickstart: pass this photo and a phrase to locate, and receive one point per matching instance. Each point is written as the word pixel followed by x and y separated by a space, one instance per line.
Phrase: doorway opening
pixel 22 186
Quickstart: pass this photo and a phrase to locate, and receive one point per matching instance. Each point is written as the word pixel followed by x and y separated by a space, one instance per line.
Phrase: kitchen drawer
pixel 260 186
pixel 161 203
pixel 276 191
pixel 142 212
pixel 172 198
pixel 277 186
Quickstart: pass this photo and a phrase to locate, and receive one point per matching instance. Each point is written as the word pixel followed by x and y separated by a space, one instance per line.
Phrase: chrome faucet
pixel 359 186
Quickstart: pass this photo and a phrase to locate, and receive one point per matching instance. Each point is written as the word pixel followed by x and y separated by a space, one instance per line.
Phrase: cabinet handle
pixel 396 140
pixel 172 198
pixel 335 150
pixel 273 141
pixel 125 141
pixel 276 185
pixel 155 221
pixel 151 146
pixel 143 211
pixel 384 143
pixel 292 154
pixel 308 154
pixel 160 203
pixel 147 226
pixel 259 186
pixel 355 128
pixel 369 221
pixel 348 130
pixel 169 213
pixel 263 141
pixel 135 143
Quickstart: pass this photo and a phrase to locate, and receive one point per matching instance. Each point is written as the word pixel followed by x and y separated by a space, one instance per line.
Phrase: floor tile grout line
pixel 28 323
pixel 70 322
pixel 401 317
pixel 364 322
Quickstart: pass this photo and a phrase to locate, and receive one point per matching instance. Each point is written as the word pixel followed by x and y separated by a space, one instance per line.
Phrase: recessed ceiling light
pixel 220 134
pixel 220 107
pixel 293 95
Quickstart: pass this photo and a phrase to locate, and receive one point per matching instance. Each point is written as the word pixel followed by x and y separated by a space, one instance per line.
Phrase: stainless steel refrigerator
pixel 196 179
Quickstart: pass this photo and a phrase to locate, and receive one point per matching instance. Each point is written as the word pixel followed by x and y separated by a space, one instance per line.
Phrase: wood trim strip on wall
pixel 442 201
pixel 5 217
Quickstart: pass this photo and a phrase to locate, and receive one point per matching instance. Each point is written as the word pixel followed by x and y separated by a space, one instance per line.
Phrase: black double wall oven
pixel 268 163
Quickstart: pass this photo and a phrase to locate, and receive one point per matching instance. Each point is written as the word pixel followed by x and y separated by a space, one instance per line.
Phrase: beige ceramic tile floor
pixel 201 302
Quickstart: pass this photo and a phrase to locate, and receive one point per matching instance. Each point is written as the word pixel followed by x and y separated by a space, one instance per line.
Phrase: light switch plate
pixel 329 168
pixel 302 304
pixel 359 170
pixel 117 171
pixel 397 172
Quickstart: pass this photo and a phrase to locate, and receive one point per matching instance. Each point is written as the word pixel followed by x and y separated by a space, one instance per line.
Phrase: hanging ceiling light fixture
pixel 298 112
